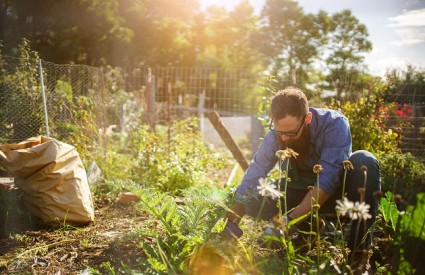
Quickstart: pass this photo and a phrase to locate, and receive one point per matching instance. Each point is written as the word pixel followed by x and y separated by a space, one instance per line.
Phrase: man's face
pixel 290 128
pixel 294 132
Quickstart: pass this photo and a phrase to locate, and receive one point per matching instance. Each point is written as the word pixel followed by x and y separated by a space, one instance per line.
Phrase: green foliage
pixel 184 225
pixel 413 221
pixel 58 29
pixel 176 162
pixel 115 166
pixel 289 38
pixel 170 33
pixel 72 120
pixel 20 93
pixel 367 125
pixel 389 212
pixel 109 269
pixel 157 160
pixel 405 85
pixel 409 245
pixel 402 174
pixel 269 88
pixel 348 40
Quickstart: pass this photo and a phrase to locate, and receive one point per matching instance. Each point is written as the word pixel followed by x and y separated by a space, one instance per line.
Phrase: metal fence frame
pixel 165 94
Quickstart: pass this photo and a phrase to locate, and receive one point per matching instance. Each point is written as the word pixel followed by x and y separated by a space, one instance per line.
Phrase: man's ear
pixel 308 118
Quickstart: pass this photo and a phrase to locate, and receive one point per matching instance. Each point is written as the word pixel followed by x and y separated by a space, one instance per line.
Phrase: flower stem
pixel 343 184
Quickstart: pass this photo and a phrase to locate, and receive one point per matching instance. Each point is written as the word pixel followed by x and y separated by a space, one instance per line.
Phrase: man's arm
pixel 263 161
pixel 305 206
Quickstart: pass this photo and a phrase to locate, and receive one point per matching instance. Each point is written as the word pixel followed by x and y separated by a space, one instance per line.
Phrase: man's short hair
pixel 290 101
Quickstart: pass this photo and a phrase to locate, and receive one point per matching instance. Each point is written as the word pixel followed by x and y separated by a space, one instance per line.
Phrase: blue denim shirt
pixel 330 145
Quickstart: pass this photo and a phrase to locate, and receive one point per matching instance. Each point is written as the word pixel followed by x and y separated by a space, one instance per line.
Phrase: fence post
pixel 201 105
pixel 169 97
pixel 228 140
pixel 257 132
pixel 43 96
pixel 150 100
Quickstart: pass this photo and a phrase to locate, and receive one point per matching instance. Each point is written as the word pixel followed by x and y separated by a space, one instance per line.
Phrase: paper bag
pixel 53 179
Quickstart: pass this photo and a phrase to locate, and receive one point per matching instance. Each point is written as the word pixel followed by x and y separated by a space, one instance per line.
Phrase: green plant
pixel 85 243
pixel 108 190
pixel 402 174
pixel 389 212
pixel 409 244
pixel 269 87
pixel 13 217
pixel 108 268
pixel 21 93
pixel 183 225
pixel 174 163
pixel 367 126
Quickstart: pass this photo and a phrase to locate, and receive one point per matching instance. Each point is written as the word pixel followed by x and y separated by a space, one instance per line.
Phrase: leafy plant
pixel 174 164
pixel 388 210
pixel 409 245
pixel 402 174
pixel 183 225
pixel 21 93
pixel 367 127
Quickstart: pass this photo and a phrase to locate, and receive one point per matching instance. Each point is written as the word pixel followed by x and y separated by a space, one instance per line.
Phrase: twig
pixel 7 258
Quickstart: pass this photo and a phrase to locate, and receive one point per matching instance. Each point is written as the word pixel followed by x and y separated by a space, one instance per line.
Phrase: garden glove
pixel 231 231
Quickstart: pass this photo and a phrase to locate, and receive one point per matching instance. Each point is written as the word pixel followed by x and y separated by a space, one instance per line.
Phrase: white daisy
pixel 355 210
pixel 267 189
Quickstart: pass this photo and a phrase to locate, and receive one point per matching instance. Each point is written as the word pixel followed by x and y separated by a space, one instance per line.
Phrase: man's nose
pixel 285 138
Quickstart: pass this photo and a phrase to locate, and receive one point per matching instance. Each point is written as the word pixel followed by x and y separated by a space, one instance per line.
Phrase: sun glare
pixel 228 4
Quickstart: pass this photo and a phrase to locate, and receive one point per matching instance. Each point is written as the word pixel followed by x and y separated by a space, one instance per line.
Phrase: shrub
pixel 367 125
pixel 176 163
pixel 402 174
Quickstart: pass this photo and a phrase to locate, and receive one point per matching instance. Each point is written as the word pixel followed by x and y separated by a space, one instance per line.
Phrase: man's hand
pixel 231 231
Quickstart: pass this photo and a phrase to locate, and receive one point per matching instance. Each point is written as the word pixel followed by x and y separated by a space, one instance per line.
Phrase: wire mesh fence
pixel 38 97
pixel 229 91
pixel 21 109
pixel 76 101
pixel 73 92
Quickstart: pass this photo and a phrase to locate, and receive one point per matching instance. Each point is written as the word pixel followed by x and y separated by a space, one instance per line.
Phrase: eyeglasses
pixel 289 133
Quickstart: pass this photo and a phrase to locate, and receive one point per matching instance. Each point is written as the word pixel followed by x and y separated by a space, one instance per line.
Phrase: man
pixel 319 136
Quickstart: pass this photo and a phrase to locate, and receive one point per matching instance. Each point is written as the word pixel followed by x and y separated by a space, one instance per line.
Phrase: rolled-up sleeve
pixel 263 162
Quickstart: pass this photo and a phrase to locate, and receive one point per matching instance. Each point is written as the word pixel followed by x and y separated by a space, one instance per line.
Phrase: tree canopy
pixel 282 38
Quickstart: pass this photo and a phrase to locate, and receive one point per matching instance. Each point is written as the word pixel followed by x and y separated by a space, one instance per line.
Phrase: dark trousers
pixel 354 181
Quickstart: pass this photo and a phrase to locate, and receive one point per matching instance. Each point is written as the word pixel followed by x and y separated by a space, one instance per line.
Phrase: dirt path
pixel 71 251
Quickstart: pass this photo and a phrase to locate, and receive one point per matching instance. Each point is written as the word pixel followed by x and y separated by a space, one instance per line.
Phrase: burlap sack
pixel 53 179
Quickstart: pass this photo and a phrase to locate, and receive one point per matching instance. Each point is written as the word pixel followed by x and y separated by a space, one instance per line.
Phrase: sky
pixel 396 27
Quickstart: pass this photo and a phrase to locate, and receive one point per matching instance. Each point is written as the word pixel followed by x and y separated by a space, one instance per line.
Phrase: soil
pixel 105 244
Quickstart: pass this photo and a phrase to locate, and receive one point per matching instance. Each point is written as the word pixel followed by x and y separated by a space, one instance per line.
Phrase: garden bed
pixel 101 245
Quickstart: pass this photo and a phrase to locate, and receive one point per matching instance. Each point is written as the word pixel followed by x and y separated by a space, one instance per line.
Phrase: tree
pixel 226 41
pixel 163 31
pixel 83 31
pixel 290 39
pixel 348 41
pixel 405 86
